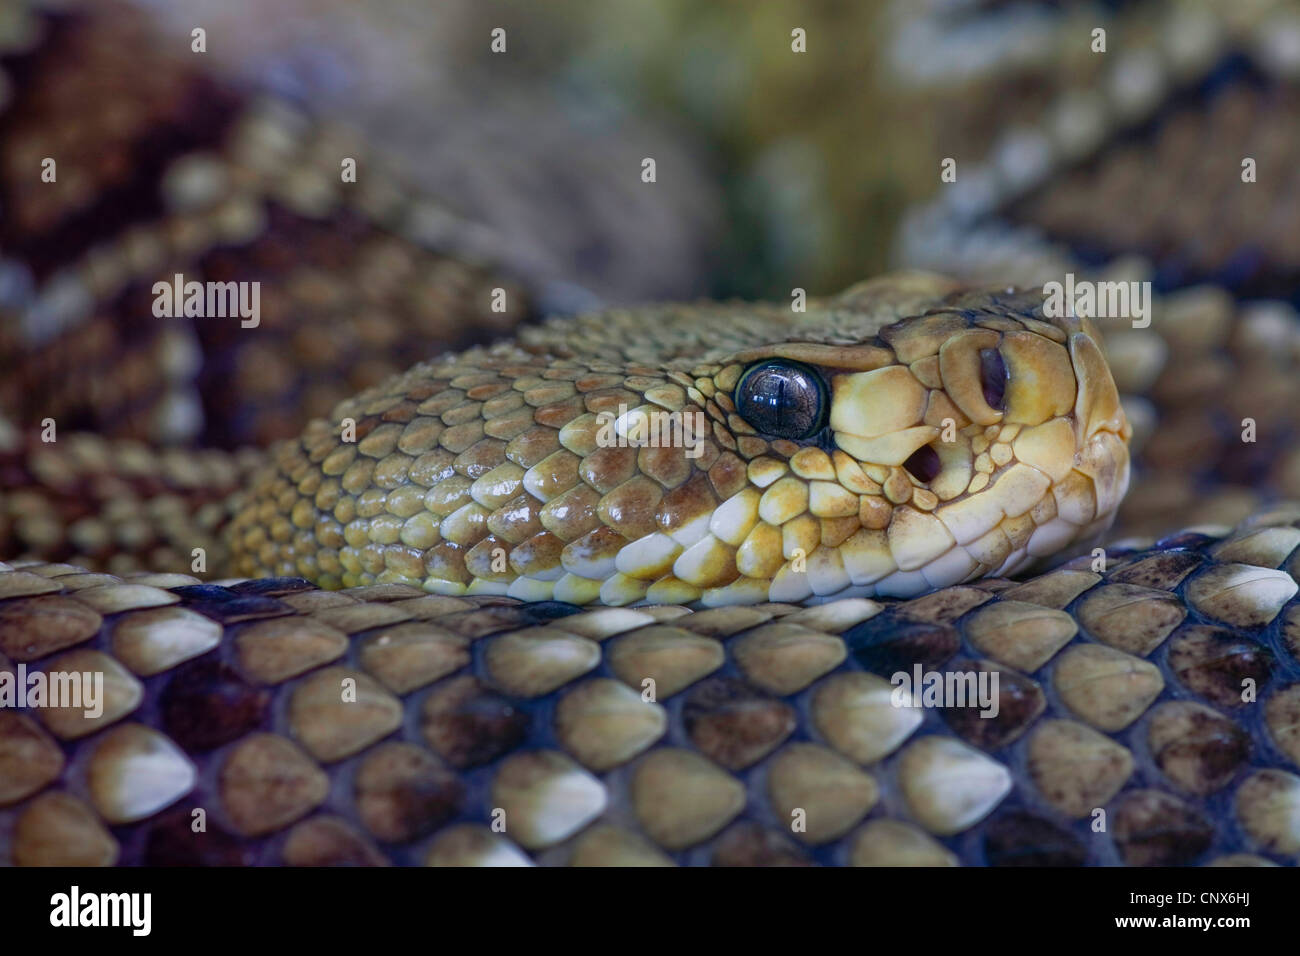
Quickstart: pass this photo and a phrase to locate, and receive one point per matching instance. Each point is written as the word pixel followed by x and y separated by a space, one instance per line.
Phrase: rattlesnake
pixel 458 621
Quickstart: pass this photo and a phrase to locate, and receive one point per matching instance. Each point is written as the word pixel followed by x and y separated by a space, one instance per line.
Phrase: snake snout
pixel 996 441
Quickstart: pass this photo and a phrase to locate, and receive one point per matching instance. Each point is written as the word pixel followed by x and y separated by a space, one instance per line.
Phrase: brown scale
pixel 747 754
pixel 345 305
pixel 1208 365
pixel 118 505
pixel 966 109
pixel 1131 197
pixel 109 165
pixel 343 286
pixel 151 106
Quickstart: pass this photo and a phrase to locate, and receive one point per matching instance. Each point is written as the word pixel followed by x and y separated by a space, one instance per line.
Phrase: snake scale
pixel 467 617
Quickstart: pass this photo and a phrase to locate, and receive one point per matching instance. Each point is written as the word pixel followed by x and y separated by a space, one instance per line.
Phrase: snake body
pixel 432 712
pixel 469 618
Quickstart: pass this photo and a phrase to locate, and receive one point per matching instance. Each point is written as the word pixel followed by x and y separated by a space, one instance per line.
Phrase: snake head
pixel 972 440
pixel 903 436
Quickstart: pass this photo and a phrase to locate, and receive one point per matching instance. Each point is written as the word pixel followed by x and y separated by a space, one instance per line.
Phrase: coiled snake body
pixel 704 715
pixel 472 618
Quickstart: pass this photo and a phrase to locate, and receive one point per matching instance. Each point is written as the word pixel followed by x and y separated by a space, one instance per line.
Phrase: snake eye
pixel 782 399
pixel 993 379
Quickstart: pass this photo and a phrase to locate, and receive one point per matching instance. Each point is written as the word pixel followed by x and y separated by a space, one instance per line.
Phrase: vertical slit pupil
pixel 993 378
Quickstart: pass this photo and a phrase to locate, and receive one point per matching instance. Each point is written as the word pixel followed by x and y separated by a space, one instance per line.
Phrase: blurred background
pixel 780 168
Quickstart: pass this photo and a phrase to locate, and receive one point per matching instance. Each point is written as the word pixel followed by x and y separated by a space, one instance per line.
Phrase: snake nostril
pixel 993 378
pixel 924 464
